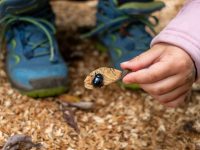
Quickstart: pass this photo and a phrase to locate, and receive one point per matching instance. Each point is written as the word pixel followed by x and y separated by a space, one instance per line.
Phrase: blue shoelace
pixel 124 15
pixel 42 24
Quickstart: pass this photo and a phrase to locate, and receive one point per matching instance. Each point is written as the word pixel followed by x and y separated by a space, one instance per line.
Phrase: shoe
pixel 121 27
pixel 20 7
pixel 33 62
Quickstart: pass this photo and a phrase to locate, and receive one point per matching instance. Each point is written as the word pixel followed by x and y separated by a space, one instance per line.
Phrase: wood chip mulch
pixel 121 119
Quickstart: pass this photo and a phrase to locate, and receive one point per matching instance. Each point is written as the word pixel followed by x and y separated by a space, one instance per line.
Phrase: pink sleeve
pixel 184 31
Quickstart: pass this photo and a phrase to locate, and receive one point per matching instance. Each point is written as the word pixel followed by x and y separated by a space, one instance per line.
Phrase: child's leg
pixel 33 64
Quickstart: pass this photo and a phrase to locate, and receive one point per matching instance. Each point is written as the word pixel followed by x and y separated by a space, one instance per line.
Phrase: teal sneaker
pixel 121 29
pixel 121 26
pixel 21 7
pixel 33 63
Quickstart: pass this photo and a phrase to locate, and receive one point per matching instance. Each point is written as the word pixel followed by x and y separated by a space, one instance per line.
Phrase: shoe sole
pixel 134 87
pixel 41 93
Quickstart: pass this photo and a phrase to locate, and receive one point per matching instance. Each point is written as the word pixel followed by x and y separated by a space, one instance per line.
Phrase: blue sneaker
pixel 121 27
pixel 33 63
pixel 21 7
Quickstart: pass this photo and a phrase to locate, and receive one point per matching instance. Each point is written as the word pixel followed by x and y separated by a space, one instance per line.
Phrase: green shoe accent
pixel 143 6
pixel 133 87
pixel 100 47
pixel 45 92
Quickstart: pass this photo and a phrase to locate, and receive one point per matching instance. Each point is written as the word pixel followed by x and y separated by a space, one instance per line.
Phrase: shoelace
pixel 9 20
pixel 124 17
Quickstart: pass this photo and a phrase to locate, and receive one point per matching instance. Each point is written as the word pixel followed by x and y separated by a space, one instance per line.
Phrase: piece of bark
pixel 110 75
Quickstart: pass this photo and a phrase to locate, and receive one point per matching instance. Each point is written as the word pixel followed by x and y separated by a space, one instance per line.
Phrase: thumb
pixel 142 61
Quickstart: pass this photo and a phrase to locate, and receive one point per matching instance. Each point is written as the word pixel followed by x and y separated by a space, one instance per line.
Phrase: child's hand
pixel 166 72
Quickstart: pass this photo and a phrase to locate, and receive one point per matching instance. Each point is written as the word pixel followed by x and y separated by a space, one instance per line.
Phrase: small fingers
pixel 167 85
pixel 171 96
pixel 152 74
pixel 142 61
pixel 177 102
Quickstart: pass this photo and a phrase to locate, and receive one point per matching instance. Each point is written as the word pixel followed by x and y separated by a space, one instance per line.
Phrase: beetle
pixel 98 80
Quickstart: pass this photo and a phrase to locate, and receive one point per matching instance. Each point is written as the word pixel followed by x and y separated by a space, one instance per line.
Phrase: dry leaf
pixel 20 142
pixel 74 101
pixel 69 118
pixel 82 105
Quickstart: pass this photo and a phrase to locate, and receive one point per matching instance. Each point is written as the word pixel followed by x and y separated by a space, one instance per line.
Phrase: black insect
pixel 98 80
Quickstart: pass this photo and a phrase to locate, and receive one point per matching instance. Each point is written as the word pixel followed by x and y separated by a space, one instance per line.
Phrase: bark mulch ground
pixel 120 119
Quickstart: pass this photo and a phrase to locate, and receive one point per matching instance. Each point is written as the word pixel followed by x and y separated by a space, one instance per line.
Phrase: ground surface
pixel 121 119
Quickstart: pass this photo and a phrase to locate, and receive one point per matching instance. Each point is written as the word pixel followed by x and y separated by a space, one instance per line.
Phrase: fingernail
pixel 124 63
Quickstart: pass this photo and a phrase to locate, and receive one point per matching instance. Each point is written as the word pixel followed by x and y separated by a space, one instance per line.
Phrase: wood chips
pixel 120 120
